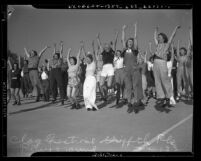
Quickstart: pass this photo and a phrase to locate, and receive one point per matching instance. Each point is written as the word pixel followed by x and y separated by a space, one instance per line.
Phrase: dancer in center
pixel 107 70
pixel 73 80
pixel 133 79
pixel 89 89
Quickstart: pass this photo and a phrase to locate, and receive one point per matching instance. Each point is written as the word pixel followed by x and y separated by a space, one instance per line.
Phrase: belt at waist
pixel 56 67
pixel 32 69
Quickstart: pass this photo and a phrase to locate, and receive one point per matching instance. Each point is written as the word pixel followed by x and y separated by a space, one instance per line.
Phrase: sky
pixel 35 28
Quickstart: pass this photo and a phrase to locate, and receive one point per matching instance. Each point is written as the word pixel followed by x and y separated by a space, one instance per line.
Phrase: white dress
pixel 89 88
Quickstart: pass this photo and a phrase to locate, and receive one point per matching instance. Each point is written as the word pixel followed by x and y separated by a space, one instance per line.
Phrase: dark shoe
pixel 15 103
pixel 88 109
pixel 37 99
pixel 94 109
pixel 62 103
pixel 138 104
pixel 78 106
pixel 124 101
pixel 130 108
pixel 73 106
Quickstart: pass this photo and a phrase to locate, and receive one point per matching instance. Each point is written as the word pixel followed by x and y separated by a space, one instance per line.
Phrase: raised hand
pixel 157 28
pixel 69 50
pixel 82 43
pixel 124 27
pixel 98 36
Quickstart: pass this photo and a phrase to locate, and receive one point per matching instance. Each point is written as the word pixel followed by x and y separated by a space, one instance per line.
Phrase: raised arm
pixel 68 56
pixel 172 36
pixel 115 41
pixel 78 58
pixel 9 63
pixel 189 48
pixel 135 37
pixel 150 48
pixel 42 51
pixel 191 36
pixel 172 53
pixel 123 38
pixel 26 52
pixel 61 49
pixel 94 52
pixel 19 61
pixel 97 53
pixel 99 42
pixel 145 57
pixel 156 35
pixel 54 51
pixel 83 49
pixel 48 65
pixel 178 45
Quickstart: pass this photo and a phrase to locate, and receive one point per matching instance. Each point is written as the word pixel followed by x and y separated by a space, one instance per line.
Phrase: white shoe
pixel 172 101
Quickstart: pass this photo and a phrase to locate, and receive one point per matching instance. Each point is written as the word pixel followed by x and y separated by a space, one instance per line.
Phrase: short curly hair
pixel 165 38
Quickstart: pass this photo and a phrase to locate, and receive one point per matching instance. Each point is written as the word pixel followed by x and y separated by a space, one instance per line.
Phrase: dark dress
pixel 15 78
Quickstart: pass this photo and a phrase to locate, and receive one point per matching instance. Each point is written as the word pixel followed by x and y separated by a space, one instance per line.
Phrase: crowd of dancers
pixel 134 76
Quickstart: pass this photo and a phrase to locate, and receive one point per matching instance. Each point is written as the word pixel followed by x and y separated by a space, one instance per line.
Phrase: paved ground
pixel 47 127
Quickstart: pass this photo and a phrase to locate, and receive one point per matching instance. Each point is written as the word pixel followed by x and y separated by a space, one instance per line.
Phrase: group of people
pixel 166 75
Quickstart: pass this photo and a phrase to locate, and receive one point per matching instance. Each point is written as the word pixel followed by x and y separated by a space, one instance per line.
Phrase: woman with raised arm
pixel 182 58
pixel 33 62
pixel 99 66
pixel 189 66
pixel 119 72
pixel 15 81
pixel 143 69
pixel 45 83
pixel 107 70
pixel 150 75
pixel 64 68
pixel 89 89
pixel 73 79
pixel 25 81
pixel 9 71
pixel 170 59
pixel 56 79
pixel 133 78
pixel 162 82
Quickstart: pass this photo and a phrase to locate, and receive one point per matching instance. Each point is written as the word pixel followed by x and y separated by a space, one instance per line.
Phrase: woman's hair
pixel 151 58
pixel 35 52
pixel 185 50
pixel 128 40
pixel 119 51
pixel 58 55
pixel 26 61
pixel 90 57
pixel 16 65
pixel 165 38
pixel 74 58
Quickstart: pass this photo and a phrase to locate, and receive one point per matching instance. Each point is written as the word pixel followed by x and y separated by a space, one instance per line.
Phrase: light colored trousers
pixel 89 91
pixel 162 81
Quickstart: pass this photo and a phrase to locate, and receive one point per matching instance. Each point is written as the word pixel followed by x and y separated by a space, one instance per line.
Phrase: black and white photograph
pixel 99 80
